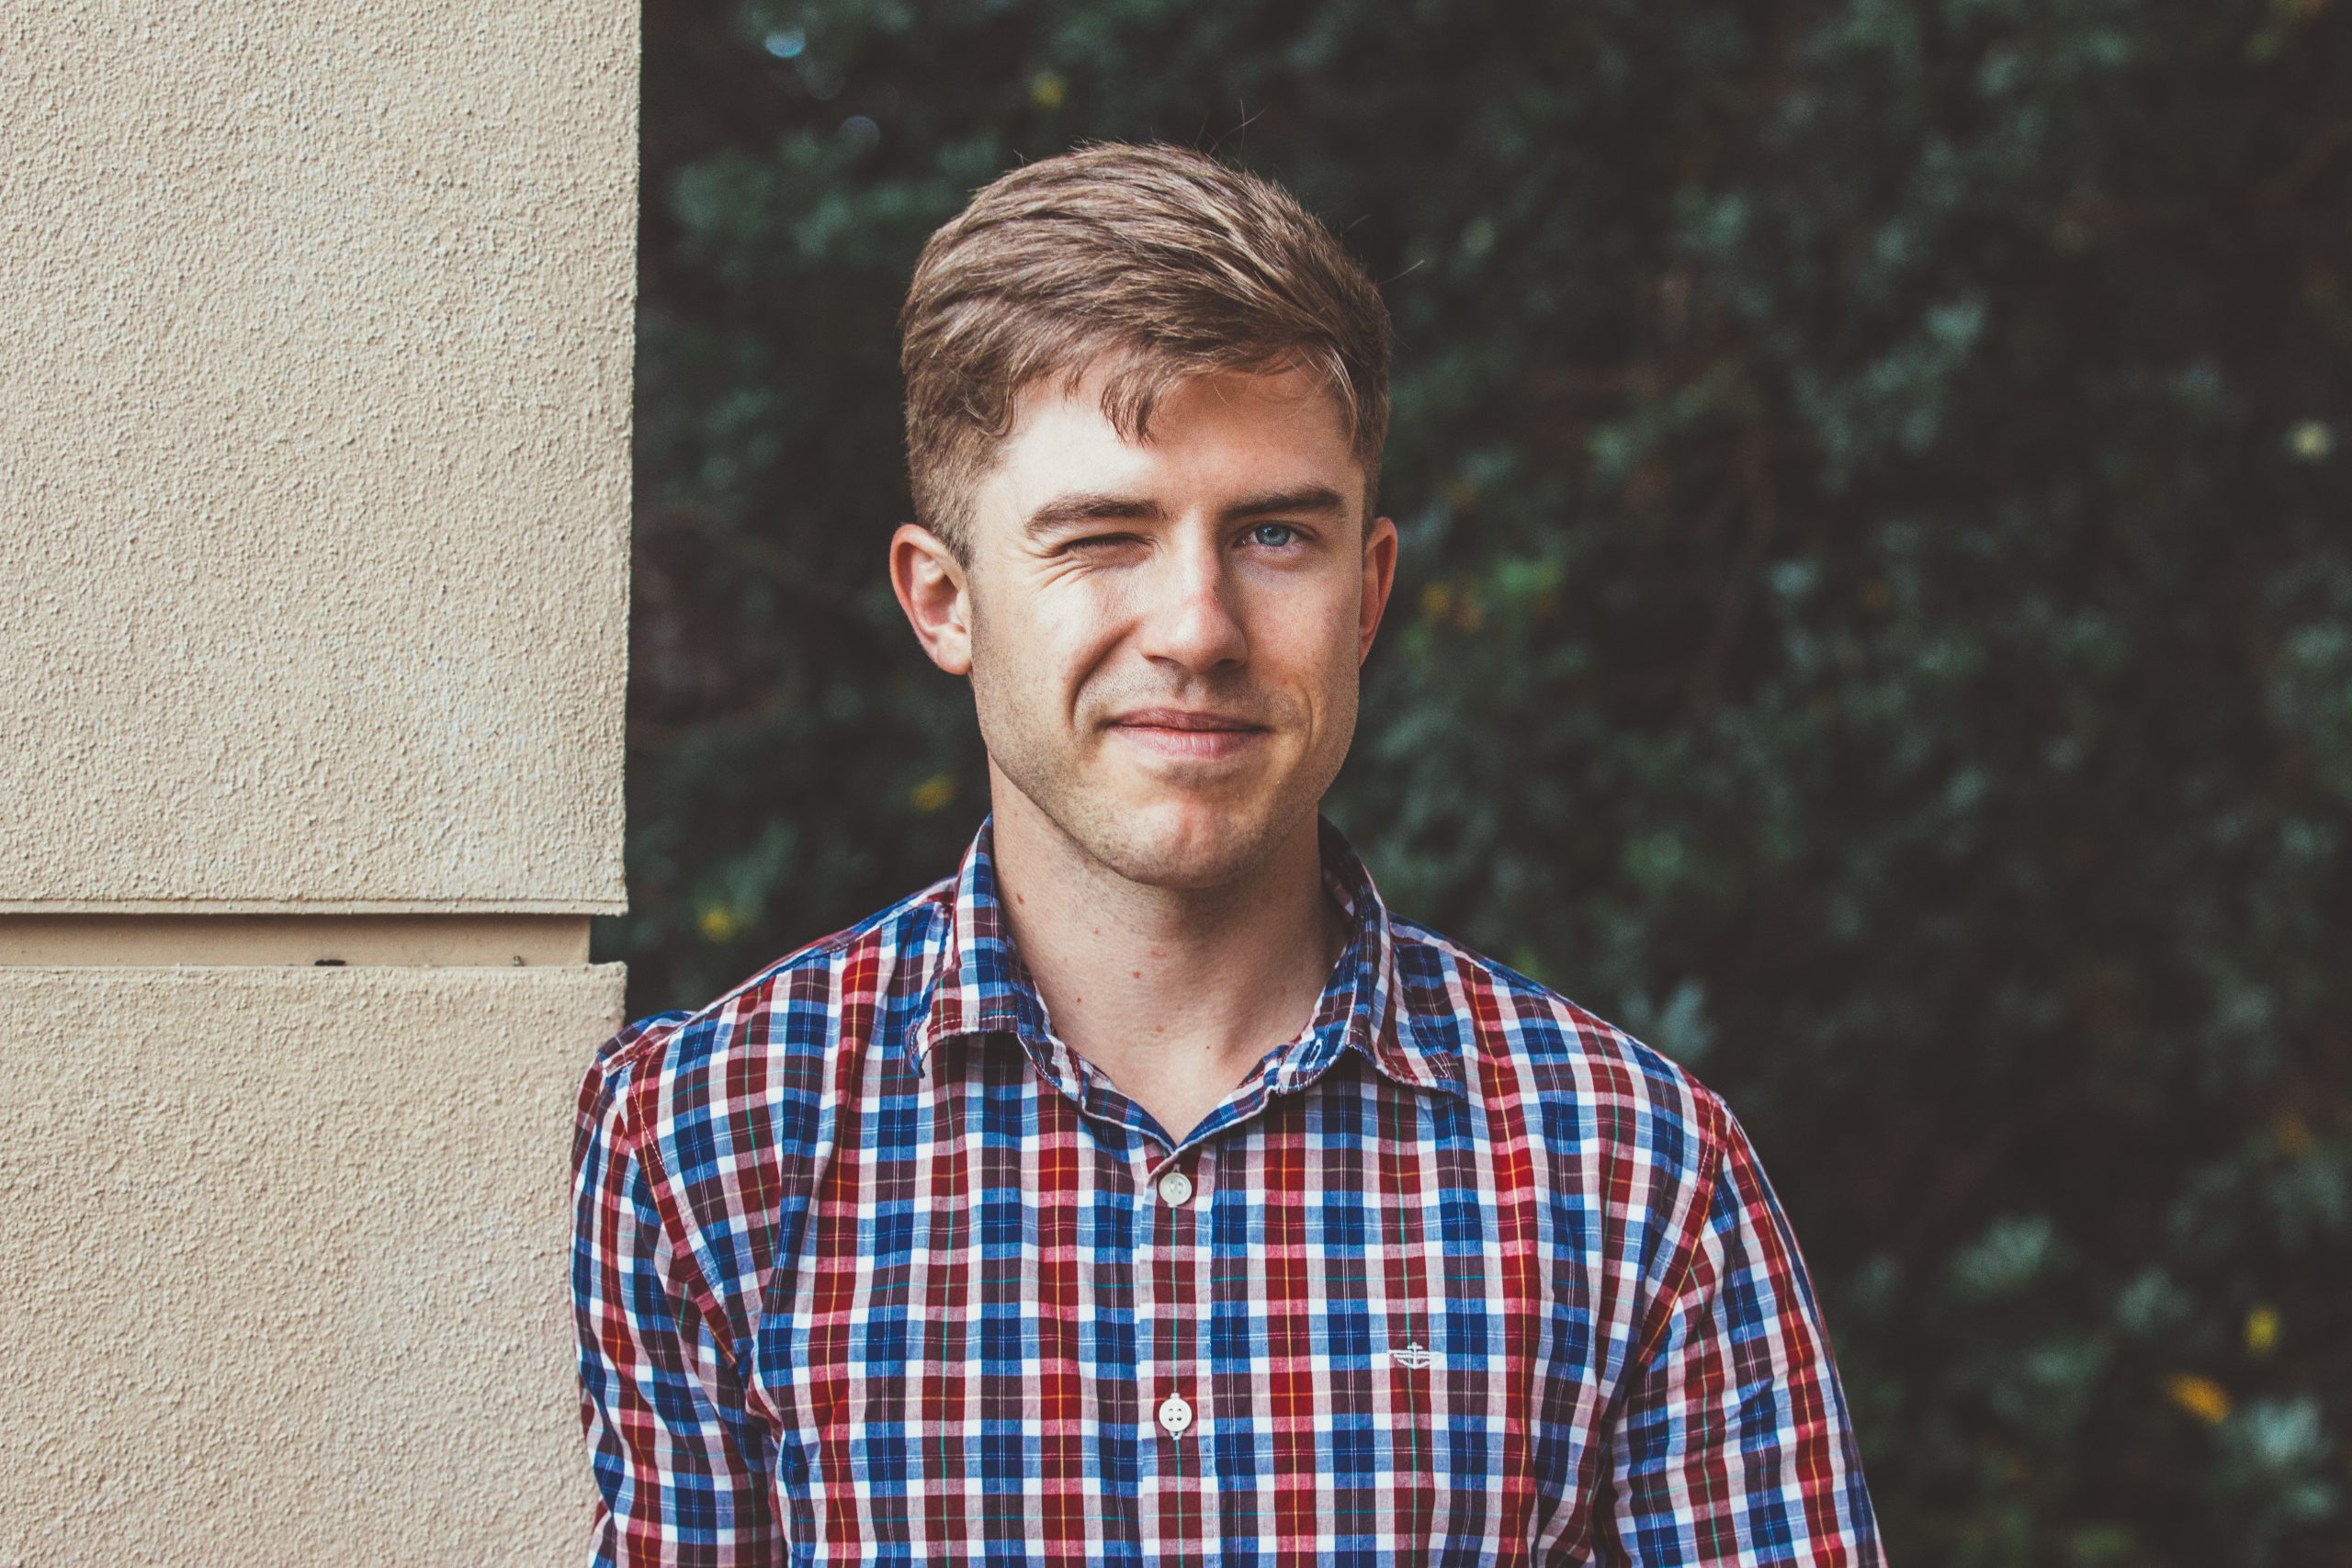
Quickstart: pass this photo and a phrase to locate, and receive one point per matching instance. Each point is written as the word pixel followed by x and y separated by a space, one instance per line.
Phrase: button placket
pixel 1173 1221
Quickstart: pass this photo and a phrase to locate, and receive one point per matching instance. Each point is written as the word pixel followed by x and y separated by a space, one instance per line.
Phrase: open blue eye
pixel 1272 535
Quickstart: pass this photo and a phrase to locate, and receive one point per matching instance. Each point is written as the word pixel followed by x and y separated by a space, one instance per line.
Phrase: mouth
pixel 1188 732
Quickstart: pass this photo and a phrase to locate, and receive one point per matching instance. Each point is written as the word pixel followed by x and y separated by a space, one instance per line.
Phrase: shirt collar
pixel 979 985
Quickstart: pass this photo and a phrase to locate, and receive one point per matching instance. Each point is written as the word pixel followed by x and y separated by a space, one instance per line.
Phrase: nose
pixel 1188 620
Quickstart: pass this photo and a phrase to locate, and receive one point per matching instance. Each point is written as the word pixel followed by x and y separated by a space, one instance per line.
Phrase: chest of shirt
pixel 1359 1310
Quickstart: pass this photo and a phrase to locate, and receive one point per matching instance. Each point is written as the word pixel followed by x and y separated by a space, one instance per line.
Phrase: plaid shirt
pixel 870 1265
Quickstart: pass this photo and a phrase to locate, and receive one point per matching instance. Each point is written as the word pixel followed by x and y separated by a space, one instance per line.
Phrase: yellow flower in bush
pixel 932 793
pixel 2202 1398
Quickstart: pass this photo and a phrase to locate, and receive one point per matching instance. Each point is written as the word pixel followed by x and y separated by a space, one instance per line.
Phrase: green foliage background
pixel 1876 621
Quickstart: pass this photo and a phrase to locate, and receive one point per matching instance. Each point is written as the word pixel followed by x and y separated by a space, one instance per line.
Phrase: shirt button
pixel 1175 1414
pixel 1176 1188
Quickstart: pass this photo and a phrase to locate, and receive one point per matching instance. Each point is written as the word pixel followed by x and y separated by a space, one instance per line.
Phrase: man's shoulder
pixel 713 1110
pixel 785 1019
pixel 1575 1077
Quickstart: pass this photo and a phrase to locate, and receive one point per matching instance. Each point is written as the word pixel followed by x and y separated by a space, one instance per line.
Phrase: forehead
pixel 1208 433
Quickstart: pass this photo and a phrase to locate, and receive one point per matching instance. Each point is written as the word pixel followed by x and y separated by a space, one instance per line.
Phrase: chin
pixel 1183 843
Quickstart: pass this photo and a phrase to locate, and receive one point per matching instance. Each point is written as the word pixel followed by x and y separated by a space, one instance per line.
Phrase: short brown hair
pixel 1164 262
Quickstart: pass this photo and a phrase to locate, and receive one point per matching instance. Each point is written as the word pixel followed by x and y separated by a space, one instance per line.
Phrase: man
pixel 1146 1191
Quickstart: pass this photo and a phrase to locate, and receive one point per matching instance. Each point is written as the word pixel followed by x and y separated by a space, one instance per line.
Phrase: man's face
pixel 1163 636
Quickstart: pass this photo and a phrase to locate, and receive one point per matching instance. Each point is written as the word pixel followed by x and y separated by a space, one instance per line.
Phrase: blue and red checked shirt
pixel 871 1266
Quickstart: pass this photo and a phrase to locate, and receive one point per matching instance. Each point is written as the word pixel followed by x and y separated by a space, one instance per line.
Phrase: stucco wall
pixel 283 1252
pixel 314 382
pixel 315 322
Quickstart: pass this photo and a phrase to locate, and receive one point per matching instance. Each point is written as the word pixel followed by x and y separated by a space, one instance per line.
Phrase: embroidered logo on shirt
pixel 1412 1356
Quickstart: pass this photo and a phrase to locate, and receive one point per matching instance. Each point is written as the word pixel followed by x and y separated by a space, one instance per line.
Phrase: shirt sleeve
pixel 680 1465
pixel 1734 1444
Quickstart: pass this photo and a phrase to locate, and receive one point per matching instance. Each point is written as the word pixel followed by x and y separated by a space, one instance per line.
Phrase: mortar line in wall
pixel 91 939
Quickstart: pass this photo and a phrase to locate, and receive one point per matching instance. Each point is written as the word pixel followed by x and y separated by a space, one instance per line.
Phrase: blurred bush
pixel 1876 621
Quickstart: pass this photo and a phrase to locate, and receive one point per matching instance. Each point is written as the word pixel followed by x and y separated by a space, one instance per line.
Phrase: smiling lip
pixel 1180 732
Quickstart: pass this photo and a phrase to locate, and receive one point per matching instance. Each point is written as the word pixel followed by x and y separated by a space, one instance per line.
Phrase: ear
pixel 1379 577
pixel 929 581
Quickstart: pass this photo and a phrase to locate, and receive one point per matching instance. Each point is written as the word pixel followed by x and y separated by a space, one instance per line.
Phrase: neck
pixel 1175 992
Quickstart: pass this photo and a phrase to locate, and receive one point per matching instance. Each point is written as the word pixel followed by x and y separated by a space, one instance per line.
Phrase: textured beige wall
pixel 314 381
pixel 314 362
pixel 283 1254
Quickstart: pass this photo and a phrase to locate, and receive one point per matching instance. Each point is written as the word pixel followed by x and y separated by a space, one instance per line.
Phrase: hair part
pixel 1153 264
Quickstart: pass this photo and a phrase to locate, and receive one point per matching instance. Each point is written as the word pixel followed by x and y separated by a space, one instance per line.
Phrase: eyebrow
pixel 1098 506
pixel 1087 506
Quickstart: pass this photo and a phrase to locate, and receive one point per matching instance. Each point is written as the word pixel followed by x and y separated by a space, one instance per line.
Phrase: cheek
pixel 1310 644
pixel 1029 655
